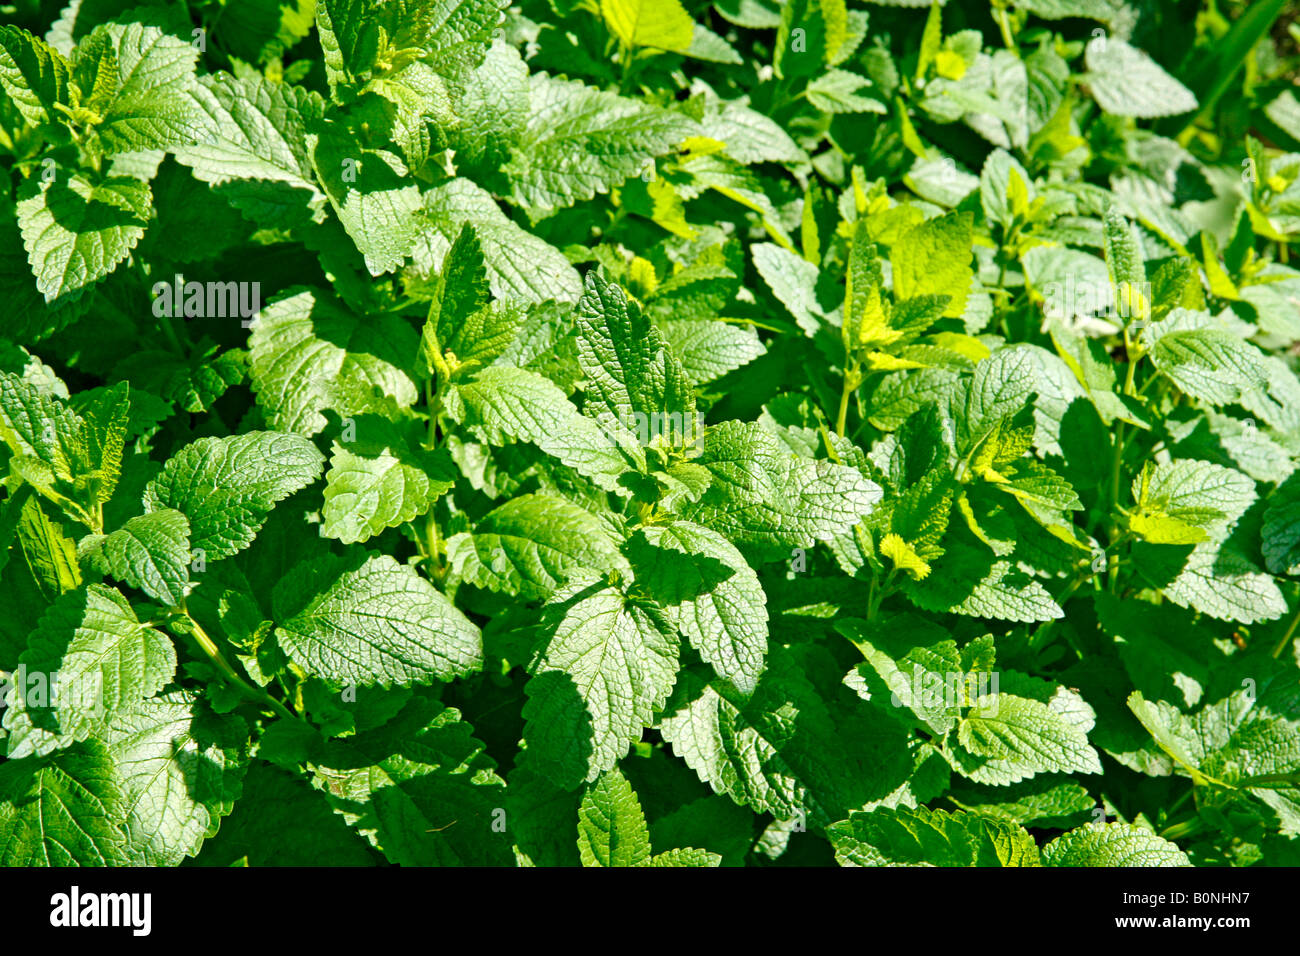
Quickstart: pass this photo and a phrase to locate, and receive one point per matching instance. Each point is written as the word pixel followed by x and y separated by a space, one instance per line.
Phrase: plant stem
pixel 1004 25
pixel 213 653
pixel 852 379
pixel 1290 633
pixel 433 542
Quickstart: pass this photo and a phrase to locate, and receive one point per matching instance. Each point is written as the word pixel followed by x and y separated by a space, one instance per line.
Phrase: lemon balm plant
pixel 649 433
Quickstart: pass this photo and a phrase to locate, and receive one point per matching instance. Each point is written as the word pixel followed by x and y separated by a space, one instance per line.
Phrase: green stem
pixel 1183 829
pixel 1290 633
pixel 213 653
pixel 1004 26
pixel 852 380
pixel 433 542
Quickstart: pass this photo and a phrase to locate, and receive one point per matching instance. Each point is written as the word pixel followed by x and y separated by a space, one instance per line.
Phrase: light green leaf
pixel 519 264
pixel 254 145
pixel 104 661
pixel 382 479
pixel 365 619
pixel 33 74
pixel 763 496
pixel 1112 844
pixel 181 768
pixel 708 350
pixel 1211 365
pixel 76 232
pixel 309 353
pixel 136 78
pixel 513 403
pixel 1005 738
pixel 150 552
pixel 611 825
pixel 595 687
pixel 580 141
pixel 227 486
pixel 924 837
pixel 709 592
pixel 636 388
pixel 372 194
pixel 1226 585
pixel 793 280
pixel 531 545
pixel 840 91
pixel 934 258
pixel 363 38
pixel 661 24
pixel 1126 82
pixel 1196 493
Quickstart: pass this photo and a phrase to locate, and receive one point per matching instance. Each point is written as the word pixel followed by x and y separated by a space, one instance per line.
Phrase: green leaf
pixel 1042 801
pixel 33 74
pixel 462 326
pixel 1112 844
pixel 934 259
pixel 709 350
pixel 840 91
pixel 531 545
pixel 76 232
pixel 1123 248
pixel 279 820
pixel 421 788
pixel 308 353
pixel 227 486
pixel 634 385
pixel 1226 585
pixel 810 36
pixel 1006 738
pixel 516 404
pixel 1233 742
pixel 793 280
pixel 365 619
pixel 254 145
pixel 764 497
pixel 579 141
pixel 62 811
pixel 519 264
pixel 181 768
pixel 364 38
pixel 607 666
pixel 902 836
pixel 136 78
pixel 88 660
pixel 611 825
pixel 372 195
pixel 1210 365
pixel 1281 531
pixel 709 593
pixel 661 24
pixel 1193 493
pixel 150 552
pixel 381 479
pixel 1126 82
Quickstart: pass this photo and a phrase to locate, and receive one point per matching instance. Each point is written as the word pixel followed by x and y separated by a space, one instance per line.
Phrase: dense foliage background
pixel 635 431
